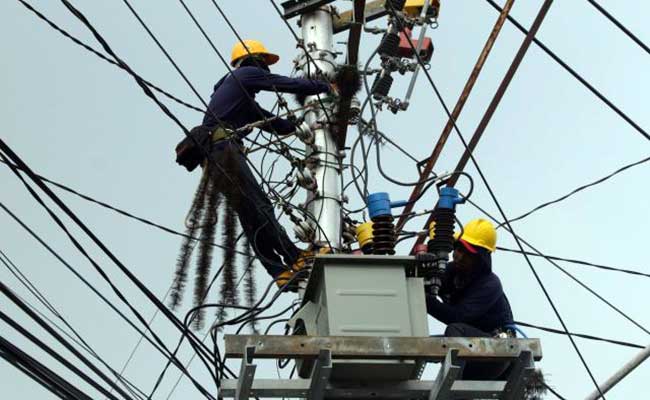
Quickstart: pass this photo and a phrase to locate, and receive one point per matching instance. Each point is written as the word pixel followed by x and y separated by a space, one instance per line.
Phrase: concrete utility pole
pixel 620 374
pixel 325 203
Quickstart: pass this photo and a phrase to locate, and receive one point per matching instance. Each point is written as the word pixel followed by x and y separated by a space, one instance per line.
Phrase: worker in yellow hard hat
pixel 471 300
pixel 233 106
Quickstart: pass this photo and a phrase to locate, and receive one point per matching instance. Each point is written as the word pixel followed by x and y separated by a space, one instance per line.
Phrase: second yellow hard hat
pixel 481 233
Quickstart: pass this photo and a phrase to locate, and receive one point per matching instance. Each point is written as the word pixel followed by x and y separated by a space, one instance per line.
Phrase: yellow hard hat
pixel 481 233
pixel 413 8
pixel 251 47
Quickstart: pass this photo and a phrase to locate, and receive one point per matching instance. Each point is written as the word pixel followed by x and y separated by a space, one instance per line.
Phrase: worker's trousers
pixel 476 370
pixel 269 240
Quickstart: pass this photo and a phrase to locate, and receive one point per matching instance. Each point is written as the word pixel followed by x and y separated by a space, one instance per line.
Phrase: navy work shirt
pixel 230 104
pixel 480 302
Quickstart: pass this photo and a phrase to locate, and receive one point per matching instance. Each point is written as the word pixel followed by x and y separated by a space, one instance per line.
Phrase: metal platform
pixel 451 352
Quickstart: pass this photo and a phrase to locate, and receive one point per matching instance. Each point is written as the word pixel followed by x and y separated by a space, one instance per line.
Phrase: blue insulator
pixel 449 197
pixel 378 204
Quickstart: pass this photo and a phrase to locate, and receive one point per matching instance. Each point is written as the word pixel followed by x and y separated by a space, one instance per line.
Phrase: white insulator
pixel 306 179
pixel 304 133
pixel 355 111
pixel 304 231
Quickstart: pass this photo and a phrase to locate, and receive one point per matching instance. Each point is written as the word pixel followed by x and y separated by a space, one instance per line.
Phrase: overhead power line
pixel 574 261
pixel 577 76
pixel 103 57
pixel 15 325
pixel 143 288
pixel 620 26
pixel 580 335
pixel 579 189
pixel 25 281
pixel 469 153
pixel 121 211
pixel 44 376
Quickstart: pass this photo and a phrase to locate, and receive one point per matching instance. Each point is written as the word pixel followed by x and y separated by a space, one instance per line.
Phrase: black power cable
pixel 579 189
pixel 14 270
pixel 14 299
pixel 542 12
pixel 14 157
pixel 565 272
pixel 44 376
pixel 579 262
pixel 577 76
pixel 580 335
pixel 102 56
pixel 620 26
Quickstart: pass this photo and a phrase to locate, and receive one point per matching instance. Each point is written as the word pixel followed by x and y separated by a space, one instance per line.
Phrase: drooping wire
pixel 579 189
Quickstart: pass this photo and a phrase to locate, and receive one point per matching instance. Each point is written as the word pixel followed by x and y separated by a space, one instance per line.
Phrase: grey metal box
pixel 364 296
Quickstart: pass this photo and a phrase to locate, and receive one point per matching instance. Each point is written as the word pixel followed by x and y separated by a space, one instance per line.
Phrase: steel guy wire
pixel 538 20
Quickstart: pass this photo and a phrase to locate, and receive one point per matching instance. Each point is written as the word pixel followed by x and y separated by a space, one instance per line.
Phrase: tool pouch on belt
pixel 191 151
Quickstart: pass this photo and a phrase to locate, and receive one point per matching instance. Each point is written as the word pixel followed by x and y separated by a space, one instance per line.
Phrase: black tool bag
pixel 192 150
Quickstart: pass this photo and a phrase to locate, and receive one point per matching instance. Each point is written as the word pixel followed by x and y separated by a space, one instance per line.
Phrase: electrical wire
pixel 579 262
pixel 82 279
pixel 10 295
pixel 16 272
pixel 620 26
pixel 542 11
pixel 580 335
pixel 14 157
pixel 579 189
pixel 573 73
pixel 41 374
pixel 103 57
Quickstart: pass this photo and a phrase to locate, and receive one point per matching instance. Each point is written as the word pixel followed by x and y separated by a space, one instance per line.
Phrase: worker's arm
pixel 477 301
pixel 278 125
pixel 257 79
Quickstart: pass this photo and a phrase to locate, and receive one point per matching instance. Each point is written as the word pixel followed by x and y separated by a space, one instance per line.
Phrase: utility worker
pixel 472 302
pixel 232 106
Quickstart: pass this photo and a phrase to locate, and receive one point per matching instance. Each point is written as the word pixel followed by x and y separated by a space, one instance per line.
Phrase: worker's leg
pixel 476 370
pixel 267 236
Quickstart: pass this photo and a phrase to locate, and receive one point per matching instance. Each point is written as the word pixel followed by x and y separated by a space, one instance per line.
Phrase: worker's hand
pixel 334 88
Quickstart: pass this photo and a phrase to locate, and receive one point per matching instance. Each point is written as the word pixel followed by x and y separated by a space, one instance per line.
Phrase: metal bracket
pixel 246 374
pixel 321 375
pixel 293 8
pixel 520 373
pixel 448 374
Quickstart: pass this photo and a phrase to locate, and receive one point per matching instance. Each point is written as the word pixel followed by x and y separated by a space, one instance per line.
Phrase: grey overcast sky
pixel 80 121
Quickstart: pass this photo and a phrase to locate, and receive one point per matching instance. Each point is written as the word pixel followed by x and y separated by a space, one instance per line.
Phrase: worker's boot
pixel 303 263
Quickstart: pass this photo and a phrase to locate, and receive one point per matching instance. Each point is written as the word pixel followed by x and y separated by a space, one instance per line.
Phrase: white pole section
pixel 324 204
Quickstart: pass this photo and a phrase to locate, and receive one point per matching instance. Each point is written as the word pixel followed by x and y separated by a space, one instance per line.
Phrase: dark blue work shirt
pixel 230 104
pixel 480 303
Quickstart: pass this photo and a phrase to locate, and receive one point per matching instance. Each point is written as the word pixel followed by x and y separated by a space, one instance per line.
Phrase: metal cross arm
pixel 378 348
